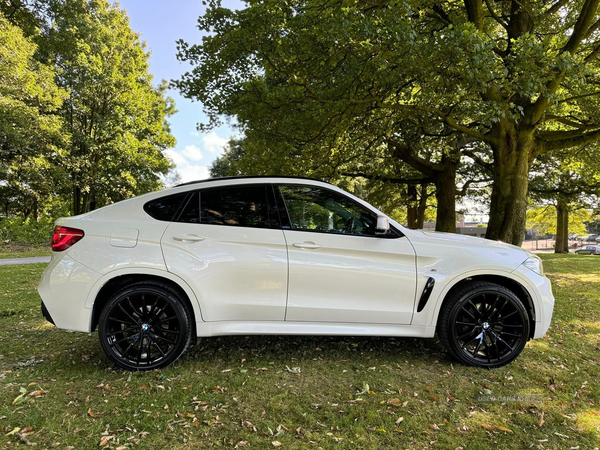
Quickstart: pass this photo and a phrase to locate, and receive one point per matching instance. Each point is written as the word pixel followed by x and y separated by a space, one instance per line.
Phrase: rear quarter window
pixel 165 208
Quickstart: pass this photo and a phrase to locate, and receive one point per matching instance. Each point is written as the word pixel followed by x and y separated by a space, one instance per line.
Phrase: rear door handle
pixel 307 245
pixel 188 238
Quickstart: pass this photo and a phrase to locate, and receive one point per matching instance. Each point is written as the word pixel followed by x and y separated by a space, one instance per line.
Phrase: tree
pixel 29 98
pixel 569 183
pixel 116 118
pixel 520 77
pixel 31 132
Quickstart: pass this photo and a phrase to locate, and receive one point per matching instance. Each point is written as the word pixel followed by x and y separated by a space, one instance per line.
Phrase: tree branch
pixel 475 13
pixel 495 16
pixel 406 154
pixel 478 160
pixel 569 142
pixel 409 181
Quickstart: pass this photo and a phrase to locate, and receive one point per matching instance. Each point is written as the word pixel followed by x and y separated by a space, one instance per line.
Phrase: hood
pixel 469 240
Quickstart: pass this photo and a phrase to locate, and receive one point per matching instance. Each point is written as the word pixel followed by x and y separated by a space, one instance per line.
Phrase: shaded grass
pixel 233 390
pixel 23 251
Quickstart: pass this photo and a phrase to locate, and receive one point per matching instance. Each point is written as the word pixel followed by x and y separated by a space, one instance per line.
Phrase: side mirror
pixel 383 225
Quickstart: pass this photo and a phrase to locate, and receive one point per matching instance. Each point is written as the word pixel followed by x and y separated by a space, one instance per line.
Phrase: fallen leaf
pixel 394 402
pixel 276 444
pixel 400 420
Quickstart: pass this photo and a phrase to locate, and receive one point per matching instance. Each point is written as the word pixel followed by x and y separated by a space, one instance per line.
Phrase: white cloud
pixel 186 168
pixel 192 152
pixel 214 143
pixel 187 160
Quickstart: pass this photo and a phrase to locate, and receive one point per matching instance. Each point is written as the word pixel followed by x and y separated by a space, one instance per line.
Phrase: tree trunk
pixel 411 210
pixel 508 205
pixel 562 228
pixel 76 200
pixel 422 207
pixel 445 194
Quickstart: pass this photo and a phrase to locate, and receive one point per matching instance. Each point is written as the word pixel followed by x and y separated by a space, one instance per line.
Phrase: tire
pixel 483 324
pixel 145 326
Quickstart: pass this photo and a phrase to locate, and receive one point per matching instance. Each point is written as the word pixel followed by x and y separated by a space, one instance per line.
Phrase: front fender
pixel 429 314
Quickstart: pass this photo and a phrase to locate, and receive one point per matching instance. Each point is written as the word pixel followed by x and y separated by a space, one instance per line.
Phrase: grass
pixel 23 251
pixel 242 391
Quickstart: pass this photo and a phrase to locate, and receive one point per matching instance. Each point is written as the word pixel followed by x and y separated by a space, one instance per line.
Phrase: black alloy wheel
pixel 145 326
pixel 484 325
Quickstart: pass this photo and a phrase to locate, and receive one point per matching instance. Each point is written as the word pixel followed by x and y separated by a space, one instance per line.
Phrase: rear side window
pixel 165 208
pixel 242 206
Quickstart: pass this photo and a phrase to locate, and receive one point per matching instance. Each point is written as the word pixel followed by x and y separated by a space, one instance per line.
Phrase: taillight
pixel 64 237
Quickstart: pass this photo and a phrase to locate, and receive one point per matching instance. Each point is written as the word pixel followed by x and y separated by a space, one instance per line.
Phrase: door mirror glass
pixel 383 225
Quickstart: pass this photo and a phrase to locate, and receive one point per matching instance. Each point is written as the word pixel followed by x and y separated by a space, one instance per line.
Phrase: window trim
pixel 273 212
pixel 393 233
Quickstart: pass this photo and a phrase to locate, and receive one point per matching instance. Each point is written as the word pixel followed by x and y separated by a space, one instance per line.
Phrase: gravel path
pixel 32 260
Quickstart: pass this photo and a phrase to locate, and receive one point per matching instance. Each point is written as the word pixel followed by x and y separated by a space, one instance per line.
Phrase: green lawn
pixel 245 392
pixel 20 251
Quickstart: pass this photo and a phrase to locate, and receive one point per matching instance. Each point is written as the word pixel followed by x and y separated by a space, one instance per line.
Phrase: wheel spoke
pixel 124 330
pixel 112 344
pixel 510 334
pixel 139 354
pixel 469 313
pixel 479 313
pixel 502 319
pixel 115 319
pixel 128 315
pixel 471 324
pixel 460 338
pixel 477 348
pixel 135 311
pixel 158 346
pixel 164 330
pixel 165 339
pixel 166 319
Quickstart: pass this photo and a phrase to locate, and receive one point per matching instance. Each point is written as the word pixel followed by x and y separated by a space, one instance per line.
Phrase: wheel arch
pixel 115 281
pixel 510 283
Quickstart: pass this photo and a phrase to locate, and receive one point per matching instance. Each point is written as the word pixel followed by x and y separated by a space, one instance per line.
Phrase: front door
pixel 340 269
pixel 227 244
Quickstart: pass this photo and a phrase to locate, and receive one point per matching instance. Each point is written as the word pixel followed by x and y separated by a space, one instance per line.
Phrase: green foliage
pixel 29 98
pixel 25 232
pixel 543 220
pixel 318 86
pixel 115 116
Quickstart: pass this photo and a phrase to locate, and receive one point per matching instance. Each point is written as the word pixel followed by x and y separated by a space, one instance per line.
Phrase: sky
pixel 161 23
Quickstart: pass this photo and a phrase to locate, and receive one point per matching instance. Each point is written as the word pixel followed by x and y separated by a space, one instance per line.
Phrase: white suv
pixel 275 255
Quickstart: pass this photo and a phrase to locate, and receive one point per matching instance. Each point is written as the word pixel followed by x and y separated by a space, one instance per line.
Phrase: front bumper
pixel 540 289
pixel 64 288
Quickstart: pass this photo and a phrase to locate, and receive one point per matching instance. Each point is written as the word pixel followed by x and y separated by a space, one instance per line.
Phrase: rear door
pixel 227 244
pixel 340 269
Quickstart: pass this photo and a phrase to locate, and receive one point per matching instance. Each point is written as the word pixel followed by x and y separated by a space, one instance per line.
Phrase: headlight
pixel 534 263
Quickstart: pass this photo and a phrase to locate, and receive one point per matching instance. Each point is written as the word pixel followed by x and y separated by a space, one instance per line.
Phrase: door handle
pixel 188 238
pixel 307 245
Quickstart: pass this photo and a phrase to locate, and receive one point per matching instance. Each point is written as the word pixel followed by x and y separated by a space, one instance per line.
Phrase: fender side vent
pixel 426 293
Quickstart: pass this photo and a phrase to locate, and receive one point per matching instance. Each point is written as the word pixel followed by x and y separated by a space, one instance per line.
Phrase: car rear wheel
pixel 484 325
pixel 145 326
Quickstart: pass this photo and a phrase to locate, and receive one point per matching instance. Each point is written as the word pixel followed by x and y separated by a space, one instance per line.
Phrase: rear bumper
pixel 64 289
pixel 46 314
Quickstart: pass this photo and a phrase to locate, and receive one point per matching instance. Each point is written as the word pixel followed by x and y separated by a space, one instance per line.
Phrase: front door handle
pixel 307 245
pixel 188 238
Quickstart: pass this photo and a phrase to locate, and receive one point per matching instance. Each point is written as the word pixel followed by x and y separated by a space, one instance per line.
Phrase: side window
pixel 242 206
pixel 165 208
pixel 313 208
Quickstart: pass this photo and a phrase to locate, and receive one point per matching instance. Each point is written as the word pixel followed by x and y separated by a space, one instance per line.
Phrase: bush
pixel 17 231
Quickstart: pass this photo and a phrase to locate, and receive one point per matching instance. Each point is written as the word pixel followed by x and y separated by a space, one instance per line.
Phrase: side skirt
pixel 206 329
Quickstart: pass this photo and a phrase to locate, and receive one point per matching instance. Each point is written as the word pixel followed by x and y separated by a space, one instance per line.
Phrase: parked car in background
pixel 598 239
pixel 280 255
pixel 590 238
pixel 589 250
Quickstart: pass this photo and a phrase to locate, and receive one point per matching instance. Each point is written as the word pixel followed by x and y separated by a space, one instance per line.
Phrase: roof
pixel 242 177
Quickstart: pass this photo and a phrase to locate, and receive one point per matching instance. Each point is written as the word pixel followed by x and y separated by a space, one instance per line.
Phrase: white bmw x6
pixel 278 255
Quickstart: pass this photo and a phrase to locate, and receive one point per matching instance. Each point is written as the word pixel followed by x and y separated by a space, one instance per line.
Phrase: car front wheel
pixel 484 324
pixel 145 326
